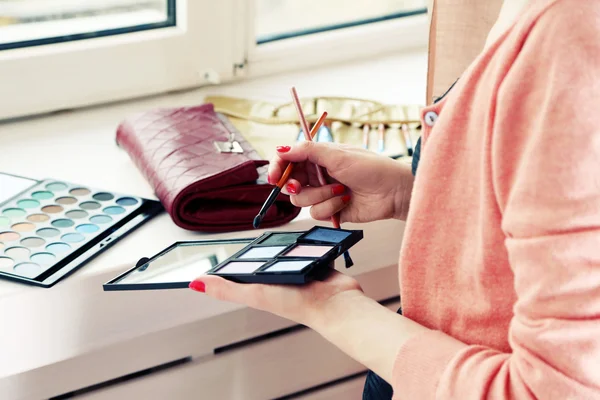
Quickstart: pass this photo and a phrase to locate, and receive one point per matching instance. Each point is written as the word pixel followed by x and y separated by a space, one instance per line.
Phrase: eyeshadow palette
pixel 50 228
pixel 274 257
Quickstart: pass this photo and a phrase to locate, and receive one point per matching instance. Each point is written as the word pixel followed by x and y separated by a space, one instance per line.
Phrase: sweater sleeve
pixel 546 174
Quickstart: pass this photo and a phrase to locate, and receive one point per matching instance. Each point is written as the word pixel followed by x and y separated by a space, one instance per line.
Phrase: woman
pixel 500 262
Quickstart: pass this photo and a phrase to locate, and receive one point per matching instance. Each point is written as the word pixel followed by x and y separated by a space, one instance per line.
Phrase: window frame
pixel 330 46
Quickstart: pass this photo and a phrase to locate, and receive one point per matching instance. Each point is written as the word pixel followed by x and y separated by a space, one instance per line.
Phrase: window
pixel 36 22
pixel 284 19
pixel 62 54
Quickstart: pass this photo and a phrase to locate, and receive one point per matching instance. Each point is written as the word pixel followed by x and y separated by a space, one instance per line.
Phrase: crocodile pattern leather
pixel 201 188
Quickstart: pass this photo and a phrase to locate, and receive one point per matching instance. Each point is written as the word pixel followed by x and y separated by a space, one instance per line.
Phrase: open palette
pixel 50 228
pixel 274 257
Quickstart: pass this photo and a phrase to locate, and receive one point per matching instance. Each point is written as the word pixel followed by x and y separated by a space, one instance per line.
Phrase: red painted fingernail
pixel 345 199
pixel 269 179
pixel 338 189
pixel 198 286
pixel 283 149
pixel 292 188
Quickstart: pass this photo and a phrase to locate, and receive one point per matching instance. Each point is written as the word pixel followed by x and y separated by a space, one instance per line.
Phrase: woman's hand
pixel 364 186
pixel 302 304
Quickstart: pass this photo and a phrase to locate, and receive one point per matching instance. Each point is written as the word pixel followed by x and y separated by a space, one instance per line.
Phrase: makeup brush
pixel 286 174
pixel 381 138
pixel 335 220
pixel 366 129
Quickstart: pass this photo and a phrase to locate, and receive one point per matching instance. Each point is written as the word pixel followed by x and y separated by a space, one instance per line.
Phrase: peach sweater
pixel 501 254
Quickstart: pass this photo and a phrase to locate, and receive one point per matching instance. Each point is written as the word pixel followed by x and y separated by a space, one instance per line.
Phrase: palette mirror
pixel 178 265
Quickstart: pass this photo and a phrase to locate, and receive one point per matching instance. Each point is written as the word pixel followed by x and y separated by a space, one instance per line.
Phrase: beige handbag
pixel 457 34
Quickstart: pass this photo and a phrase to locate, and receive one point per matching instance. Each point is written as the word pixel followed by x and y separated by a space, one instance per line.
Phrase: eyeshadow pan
pixel 9 236
pixel 28 203
pixel 281 238
pixel 263 252
pixel 327 235
pixel 240 267
pixel 53 209
pixel 56 186
pixel 79 192
pixel 103 196
pixel 48 232
pixel 114 210
pixel 67 200
pixel 289 266
pixel 38 218
pixel 43 258
pixel 29 270
pixel 14 212
pixel 42 195
pixel 23 227
pixel 73 238
pixel 62 223
pixel 4 221
pixel 127 201
pixel 87 228
pixel 90 205
pixel 76 214
pixel 6 262
pixel 101 219
pixel 17 252
pixel 308 251
pixel 33 242
pixel 58 248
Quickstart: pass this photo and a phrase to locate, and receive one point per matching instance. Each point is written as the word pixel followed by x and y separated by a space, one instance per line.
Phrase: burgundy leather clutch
pixel 206 175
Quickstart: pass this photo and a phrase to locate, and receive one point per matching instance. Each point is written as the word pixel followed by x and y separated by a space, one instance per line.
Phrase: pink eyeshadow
pixel 240 267
pixel 308 251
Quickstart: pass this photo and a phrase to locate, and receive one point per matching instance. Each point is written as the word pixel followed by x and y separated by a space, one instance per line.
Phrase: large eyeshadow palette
pixel 50 228
pixel 274 257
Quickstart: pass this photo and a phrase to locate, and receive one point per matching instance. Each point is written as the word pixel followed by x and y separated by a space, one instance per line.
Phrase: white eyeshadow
pixel 243 267
pixel 263 252
pixel 287 266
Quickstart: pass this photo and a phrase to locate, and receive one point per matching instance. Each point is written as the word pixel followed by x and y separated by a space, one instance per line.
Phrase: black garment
pixel 376 388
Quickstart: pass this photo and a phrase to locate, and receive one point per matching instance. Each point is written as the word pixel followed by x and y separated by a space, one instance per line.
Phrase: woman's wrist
pixel 403 191
pixel 321 317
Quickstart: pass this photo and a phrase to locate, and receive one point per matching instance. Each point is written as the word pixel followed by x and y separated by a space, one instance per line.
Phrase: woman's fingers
pixel 309 196
pixel 325 210
pixel 328 155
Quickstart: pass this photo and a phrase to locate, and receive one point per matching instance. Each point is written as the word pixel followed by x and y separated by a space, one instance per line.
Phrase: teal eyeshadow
pixel 101 219
pixel 62 223
pixel 126 201
pixel 28 203
pixel 73 237
pixel 87 228
pixel 56 186
pixel 14 212
pixel 327 235
pixel 4 221
pixel 42 195
pixel 281 238
pixel 114 210
pixel 103 196
pixel 90 205
pixel 58 248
